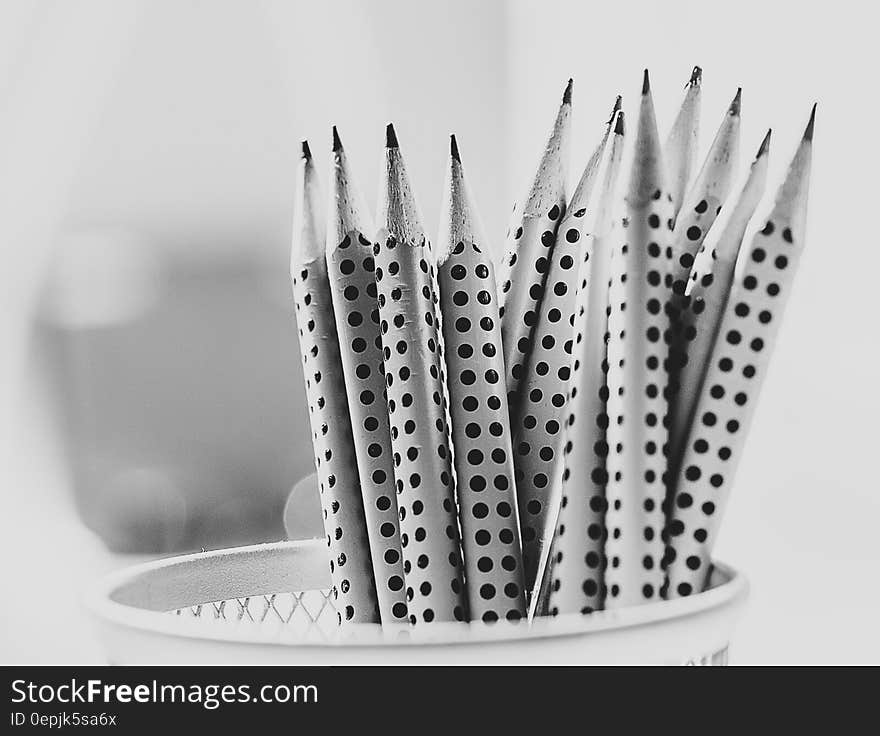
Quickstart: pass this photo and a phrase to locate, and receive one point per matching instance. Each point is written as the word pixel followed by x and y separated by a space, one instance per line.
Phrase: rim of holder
pixel 140 597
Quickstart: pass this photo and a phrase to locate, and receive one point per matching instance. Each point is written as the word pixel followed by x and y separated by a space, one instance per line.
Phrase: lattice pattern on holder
pixel 302 610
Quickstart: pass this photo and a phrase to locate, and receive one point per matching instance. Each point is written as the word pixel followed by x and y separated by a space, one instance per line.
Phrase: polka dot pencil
pixel 680 149
pixel 478 408
pixel 577 553
pixel 536 423
pixel 351 570
pixel 707 293
pixel 636 352
pixel 705 198
pixel 701 207
pixel 746 336
pixel 529 244
pixel 355 303
pixel 416 401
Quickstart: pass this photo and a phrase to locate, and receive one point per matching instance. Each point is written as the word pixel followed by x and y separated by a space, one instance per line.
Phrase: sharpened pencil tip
pixel 696 77
pixel 566 96
pixel 390 136
pixel 306 151
pixel 646 83
pixel 614 110
pixel 337 144
pixel 453 148
pixel 765 145
pixel 736 103
pixel 618 126
pixel 808 133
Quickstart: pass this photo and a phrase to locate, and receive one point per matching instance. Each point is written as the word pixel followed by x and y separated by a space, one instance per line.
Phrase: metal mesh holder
pixel 271 604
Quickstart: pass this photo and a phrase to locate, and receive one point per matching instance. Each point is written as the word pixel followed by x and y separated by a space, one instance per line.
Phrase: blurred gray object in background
pixel 177 386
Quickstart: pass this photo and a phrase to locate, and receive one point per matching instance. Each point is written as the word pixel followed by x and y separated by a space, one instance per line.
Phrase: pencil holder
pixel 270 604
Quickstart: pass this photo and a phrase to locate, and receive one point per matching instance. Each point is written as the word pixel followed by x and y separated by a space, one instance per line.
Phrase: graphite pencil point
pixel 306 151
pixel 736 104
pixel 808 133
pixel 614 110
pixel 453 148
pixel 566 96
pixel 337 144
pixel 646 83
pixel 765 145
pixel 696 77
pixel 390 136
pixel 619 125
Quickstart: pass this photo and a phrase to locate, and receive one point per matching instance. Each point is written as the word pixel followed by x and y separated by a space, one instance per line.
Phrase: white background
pixel 184 118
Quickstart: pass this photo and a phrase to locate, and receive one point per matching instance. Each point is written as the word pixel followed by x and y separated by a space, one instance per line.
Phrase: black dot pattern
pixel 636 434
pixel 345 525
pixel 575 583
pixel 691 228
pixel 419 431
pixel 693 223
pixel 537 421
pixel 481 435
pixel 706 297
pixel 521 291
pixel 355 301
pixel 530 242
pixel 730 390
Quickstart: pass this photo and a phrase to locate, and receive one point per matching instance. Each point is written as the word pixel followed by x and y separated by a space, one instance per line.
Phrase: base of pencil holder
pixel 270 604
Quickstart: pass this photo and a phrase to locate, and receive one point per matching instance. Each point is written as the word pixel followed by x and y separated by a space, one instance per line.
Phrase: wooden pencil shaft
pixel 351 268
pixel 577 553
pixel 481 435
pixel 701 208
pixel 351 569
pixel 745 340
pixel 478 407
pixel 706 297
pixel 536 423
pixel 636 377
pixel 417 406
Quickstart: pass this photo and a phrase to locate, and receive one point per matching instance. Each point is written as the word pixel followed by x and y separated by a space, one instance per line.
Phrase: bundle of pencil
pixel 416 400
pixel 565 443
pixel 744 342
pixel 352 277
pixel 576 563
pixel 351 569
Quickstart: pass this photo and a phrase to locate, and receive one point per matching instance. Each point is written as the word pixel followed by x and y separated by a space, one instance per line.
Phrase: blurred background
pixel 152 399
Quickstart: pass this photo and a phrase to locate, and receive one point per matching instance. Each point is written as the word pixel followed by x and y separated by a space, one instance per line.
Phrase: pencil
pixel 705 198
pixel 478 407
pixel 746 338
pixel 416 402
pixel 707 293
pixel 636 352
pixel 529 244
pixel 680 149
pixel 351 570
pixel 537 422
pixel 577 553
pixel 702 205
pixel 353 287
